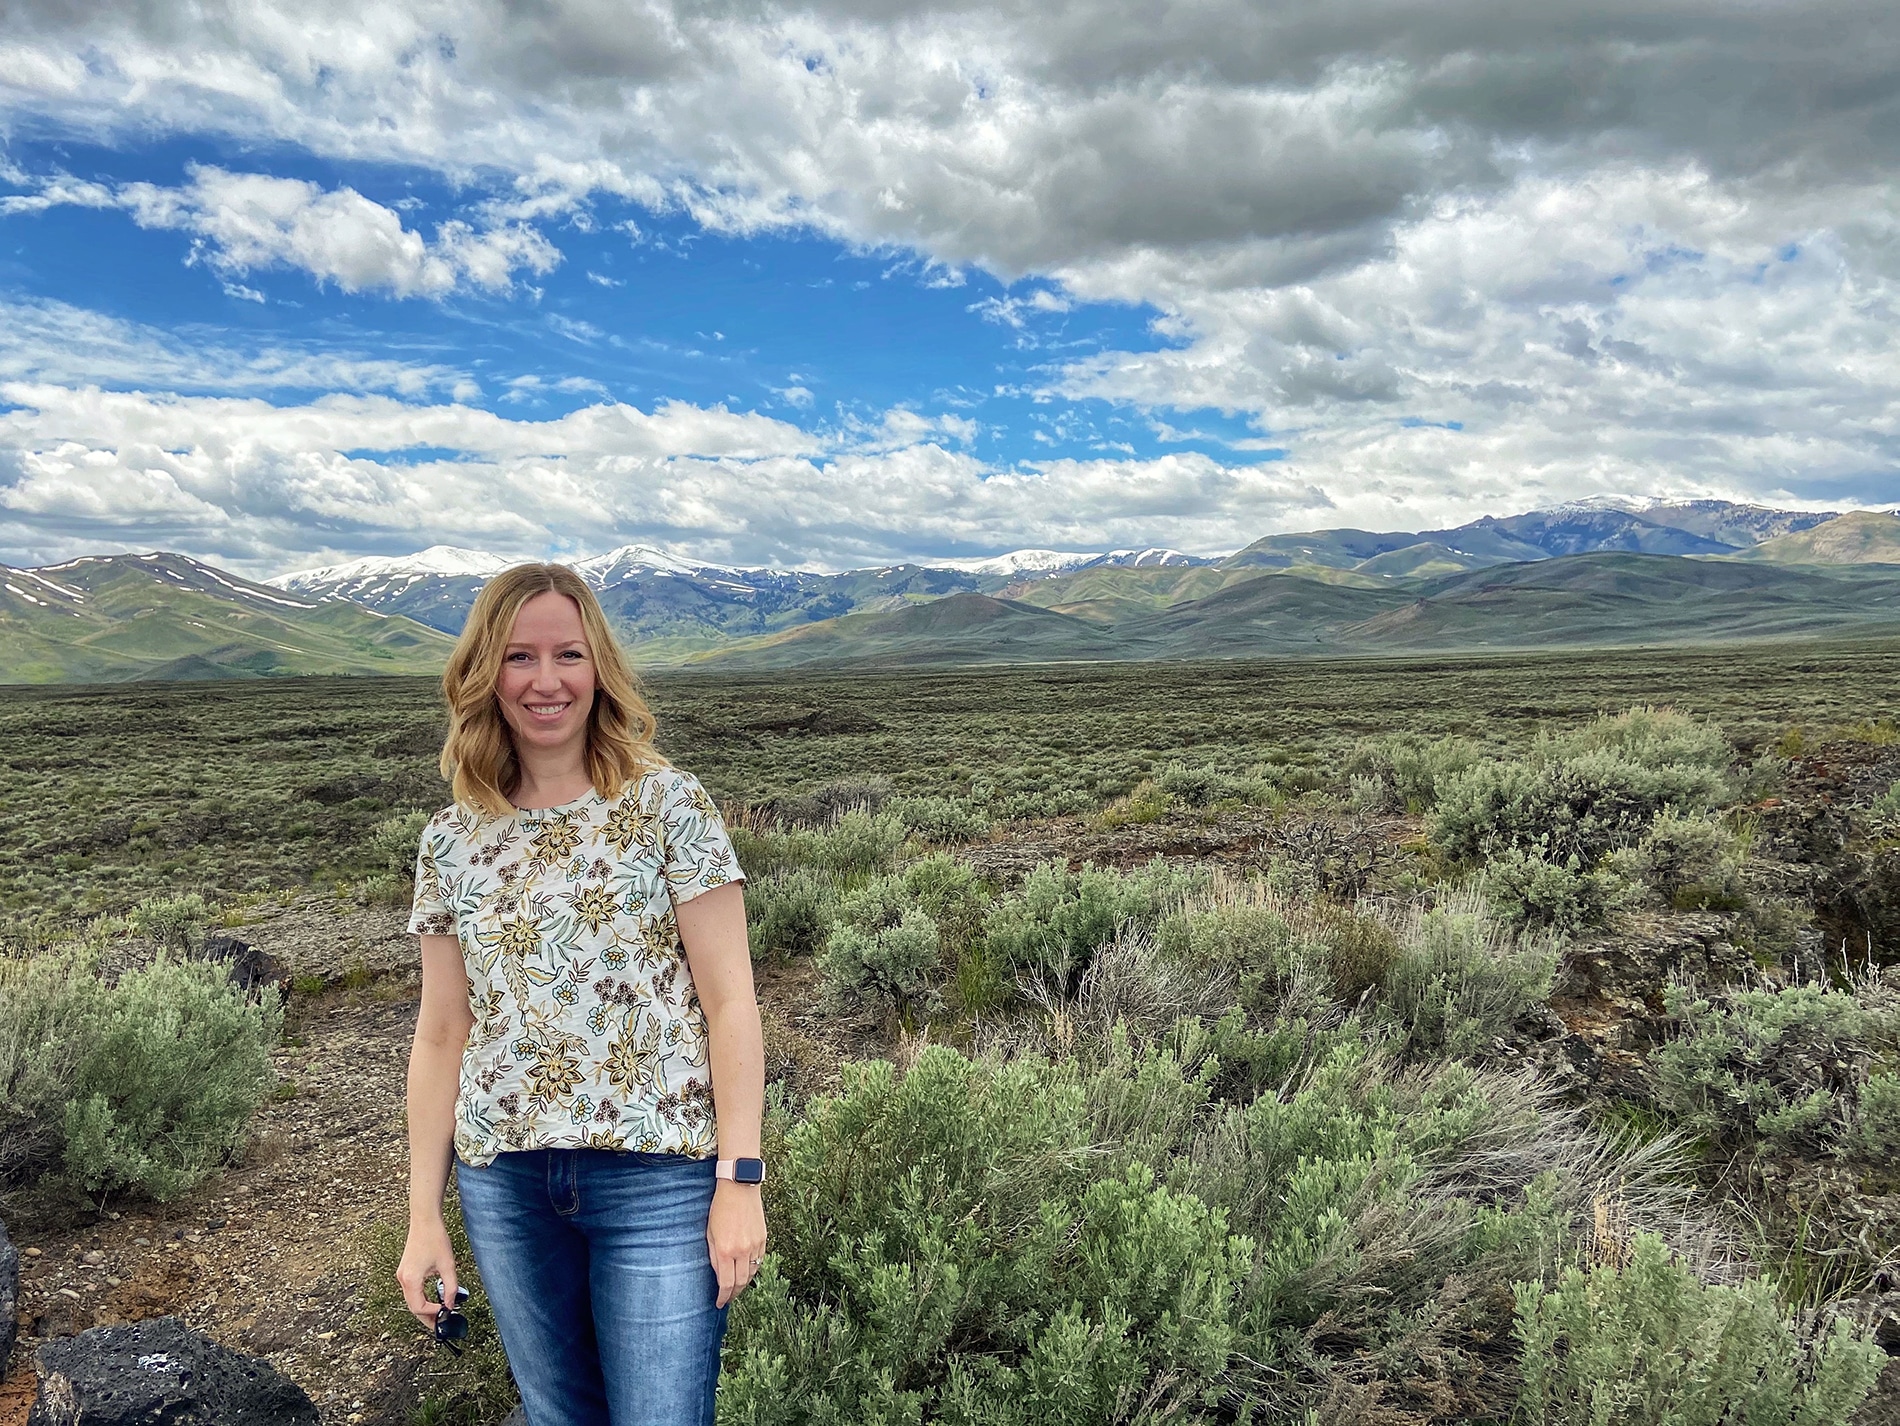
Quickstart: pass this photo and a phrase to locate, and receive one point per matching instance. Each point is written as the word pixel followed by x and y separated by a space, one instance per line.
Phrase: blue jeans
pixel 596 1265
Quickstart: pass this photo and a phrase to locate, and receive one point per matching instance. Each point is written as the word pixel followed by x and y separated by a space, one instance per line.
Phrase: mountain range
pixel 1592 573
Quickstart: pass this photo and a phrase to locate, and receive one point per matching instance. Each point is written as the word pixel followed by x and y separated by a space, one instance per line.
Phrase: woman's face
pixel 546 688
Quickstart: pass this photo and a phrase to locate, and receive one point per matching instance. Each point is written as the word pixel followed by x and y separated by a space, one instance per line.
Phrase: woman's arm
pixel 712 929
pixel 435 1066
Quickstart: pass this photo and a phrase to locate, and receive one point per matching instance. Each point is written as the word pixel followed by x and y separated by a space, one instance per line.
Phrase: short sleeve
pixel 430 914
pixel 699 855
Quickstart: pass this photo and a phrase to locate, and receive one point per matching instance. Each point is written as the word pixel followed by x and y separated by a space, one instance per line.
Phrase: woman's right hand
pixel 427 1254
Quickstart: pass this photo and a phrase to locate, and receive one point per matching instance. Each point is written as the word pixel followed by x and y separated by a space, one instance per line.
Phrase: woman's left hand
pixel 735 1234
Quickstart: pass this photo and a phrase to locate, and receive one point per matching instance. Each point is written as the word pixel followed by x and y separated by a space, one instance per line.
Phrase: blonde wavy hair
pixel 478 757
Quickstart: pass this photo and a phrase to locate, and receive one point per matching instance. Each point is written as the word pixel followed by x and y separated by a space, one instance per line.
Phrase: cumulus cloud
pixel 242 222
pixel 242 480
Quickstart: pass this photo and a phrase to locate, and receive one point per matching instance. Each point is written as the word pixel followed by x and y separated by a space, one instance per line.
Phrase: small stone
pixel 32 1252
pixel 94 1258
pixel 141 1242
pixel 212 1225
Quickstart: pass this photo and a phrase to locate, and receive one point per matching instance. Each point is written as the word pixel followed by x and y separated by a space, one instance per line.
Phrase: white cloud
pixel 56 343
pixel 248 221
pixel 266 487
pixel 1634 332
pixel 245 222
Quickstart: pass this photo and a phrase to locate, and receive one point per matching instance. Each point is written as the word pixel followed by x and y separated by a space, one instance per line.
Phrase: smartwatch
pixel 741 1170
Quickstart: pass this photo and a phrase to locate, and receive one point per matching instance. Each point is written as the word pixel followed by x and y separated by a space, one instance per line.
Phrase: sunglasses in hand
pixel 451 1326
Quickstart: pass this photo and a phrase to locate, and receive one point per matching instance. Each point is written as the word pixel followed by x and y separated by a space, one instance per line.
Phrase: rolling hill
pixel 959 629
pixel 1859 537
pixel 116 617
pixel 1591 600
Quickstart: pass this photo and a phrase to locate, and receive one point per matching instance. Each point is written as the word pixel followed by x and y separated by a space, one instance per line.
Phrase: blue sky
pixel 641 307
pixel 827 287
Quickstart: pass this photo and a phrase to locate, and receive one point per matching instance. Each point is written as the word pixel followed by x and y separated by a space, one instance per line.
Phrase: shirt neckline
pixel 557 807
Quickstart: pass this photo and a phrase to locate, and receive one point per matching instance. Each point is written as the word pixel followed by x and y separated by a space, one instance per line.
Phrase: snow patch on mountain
pixel 437 560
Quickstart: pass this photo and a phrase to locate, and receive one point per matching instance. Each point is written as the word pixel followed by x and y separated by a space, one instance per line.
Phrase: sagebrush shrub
pixel 788 913
pixel 897 963
pixel 1646 1344
pixel 940 819
pixel 1459 977
pixel 174 923
pixel 1054 922
pixel 1404 771
pixel 1651 737
pixel 945 1247
pixel 1583 805
pixel 393 844
pixel 176 1060
pixel 1690 862
pixel 856 845
pixel 1531 890
pixel 46 1012
pixel 1791 1068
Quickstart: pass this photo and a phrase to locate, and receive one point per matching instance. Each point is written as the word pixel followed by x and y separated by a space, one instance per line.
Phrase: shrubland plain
pixel 1507 1039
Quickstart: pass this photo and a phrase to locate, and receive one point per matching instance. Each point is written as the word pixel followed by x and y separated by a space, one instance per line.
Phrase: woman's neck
pixel 551 781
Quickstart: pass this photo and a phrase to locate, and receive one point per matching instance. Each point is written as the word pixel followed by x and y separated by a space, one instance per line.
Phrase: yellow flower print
pixel 554 1073
pixel 594 907
pixel 627 826
pixel 634 1063
pixel 554 840
pixel 519 938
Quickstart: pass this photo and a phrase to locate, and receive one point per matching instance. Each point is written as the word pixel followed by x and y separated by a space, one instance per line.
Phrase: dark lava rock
pixel 251 969
pixel 9 1296
pixel 161 1372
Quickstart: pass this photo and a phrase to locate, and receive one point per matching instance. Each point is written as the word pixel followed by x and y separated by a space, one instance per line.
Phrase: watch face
pixel 748 1171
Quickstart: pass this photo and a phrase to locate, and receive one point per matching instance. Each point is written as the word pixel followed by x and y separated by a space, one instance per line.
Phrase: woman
pixel 588 1046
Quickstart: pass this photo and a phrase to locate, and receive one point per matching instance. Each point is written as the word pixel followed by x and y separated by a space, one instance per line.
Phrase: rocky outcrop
pixel 9 1296
pixel 160 1371
pixel 251 970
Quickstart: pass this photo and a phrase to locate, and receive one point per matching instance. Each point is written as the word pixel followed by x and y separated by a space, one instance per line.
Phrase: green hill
pixel 1592 600
pixel 1858 537
pixel 958 629
pixel 164 616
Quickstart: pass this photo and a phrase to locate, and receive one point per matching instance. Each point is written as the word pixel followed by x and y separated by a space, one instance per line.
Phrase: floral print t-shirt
pixel 588 1032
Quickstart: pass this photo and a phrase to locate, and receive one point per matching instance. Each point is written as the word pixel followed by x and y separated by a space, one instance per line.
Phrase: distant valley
pixel 1575 576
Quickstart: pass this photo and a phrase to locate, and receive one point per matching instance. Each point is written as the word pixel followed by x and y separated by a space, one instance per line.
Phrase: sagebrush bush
pixel 940 819
pixel 1052 924
pixel 1528 889
pixel 788 913
pixel 1792 1069
pixel 1459 977
pixel 391 847
pixel 46 1012
pixel 174 923
pixel 946 1247
pixel 1651 737
pixel 1692 863
pixel 1402 772
pixel 177 1059
pixel 896 963
pixel 1582 805
pixel 856 845
pixel 1646 1344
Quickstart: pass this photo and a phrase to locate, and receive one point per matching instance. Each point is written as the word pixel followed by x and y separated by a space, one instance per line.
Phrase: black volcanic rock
pixel 161 1373
pixel 9 1296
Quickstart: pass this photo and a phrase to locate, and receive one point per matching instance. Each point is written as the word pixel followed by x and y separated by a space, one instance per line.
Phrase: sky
pixel 840 284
